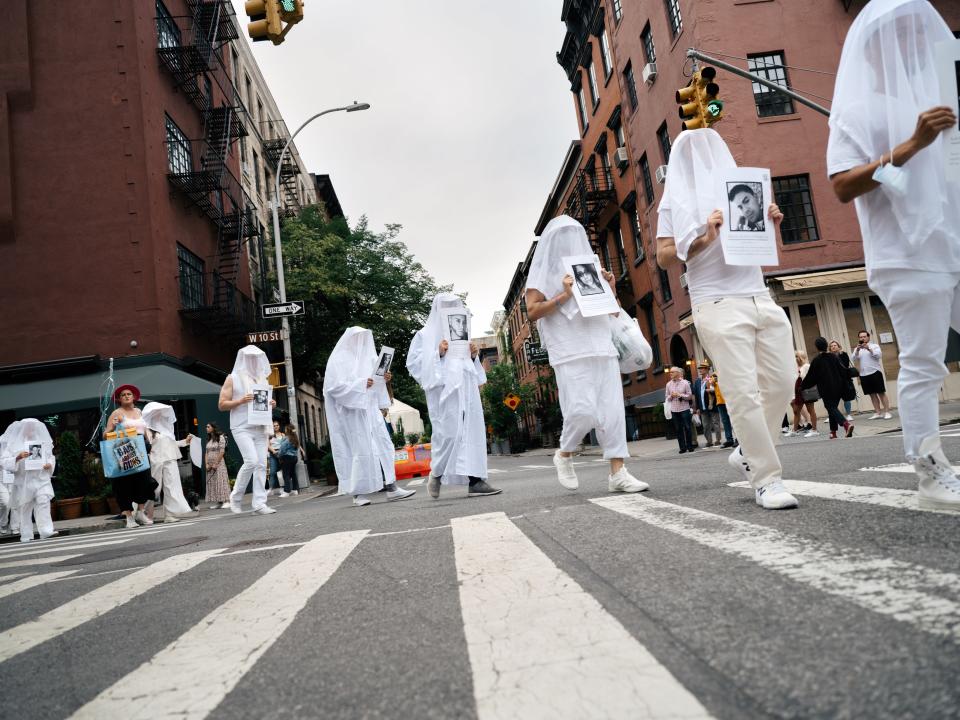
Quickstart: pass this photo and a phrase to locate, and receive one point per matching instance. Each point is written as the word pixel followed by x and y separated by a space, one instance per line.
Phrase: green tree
pixel 501 381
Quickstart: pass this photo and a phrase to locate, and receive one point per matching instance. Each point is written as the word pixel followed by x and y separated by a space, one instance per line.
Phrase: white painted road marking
pixel 494 471
pixel 31 582
pixel 62 544
pixel 907 592
pixel 38 548
pixel 536 467
pixel 540 646
pixel 190 677
pixel 95 603
pixel 37 561
pixel 898 468
pixel 887 497
pixel 417 482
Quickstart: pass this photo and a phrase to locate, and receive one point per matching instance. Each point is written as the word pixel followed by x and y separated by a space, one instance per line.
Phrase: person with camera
pixel 867 356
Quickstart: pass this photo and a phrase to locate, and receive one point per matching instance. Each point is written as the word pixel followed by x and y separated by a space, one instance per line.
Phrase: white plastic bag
pixel 633 351
pixel 667 413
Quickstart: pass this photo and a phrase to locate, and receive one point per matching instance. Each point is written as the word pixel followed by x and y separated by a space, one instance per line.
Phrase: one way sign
pixel 291 307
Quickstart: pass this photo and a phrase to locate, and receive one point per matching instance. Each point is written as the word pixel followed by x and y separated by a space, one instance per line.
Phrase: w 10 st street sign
pixel 287 309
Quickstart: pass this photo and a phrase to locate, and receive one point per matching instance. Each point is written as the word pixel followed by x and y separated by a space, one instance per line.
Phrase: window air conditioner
pixel 662 174
pixel 621 156
pixel 649 73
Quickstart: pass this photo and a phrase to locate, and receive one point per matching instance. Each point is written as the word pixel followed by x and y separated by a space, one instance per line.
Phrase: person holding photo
pixel 452 387
pixel 746 334
pixel 458 327
pixel 581 352
pixel 250 368
pixel 164 456
pixel 32 489
pixel 886 152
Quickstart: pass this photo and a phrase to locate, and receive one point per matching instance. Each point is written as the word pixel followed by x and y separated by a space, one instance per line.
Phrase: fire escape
pixel 199 169
pixel 290 205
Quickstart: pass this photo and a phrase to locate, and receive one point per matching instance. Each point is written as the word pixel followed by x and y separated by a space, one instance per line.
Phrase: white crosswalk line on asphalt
pixel 899 468
pixel 536 467
pixel 905 591
pixel 887 497
pixel 495 471
pixel 540 646
pixel 31 582
pixel 190 677
pixel 30 562
pixel 12 576
pixel 41 548
pixel 95 603
pixel 417 482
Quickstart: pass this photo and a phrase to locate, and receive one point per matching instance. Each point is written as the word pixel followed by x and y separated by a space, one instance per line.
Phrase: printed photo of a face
pixel 260 401
pixel 458 327
pixel 35 451
pixel 384 365
pixel 956 66
pixel 587 279
pixel 746 207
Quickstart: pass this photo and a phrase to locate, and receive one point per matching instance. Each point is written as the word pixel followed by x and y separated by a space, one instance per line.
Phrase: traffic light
pixel 267 18
pixel 699 105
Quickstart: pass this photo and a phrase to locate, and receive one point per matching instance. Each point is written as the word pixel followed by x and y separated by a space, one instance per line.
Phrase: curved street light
pixel 287 353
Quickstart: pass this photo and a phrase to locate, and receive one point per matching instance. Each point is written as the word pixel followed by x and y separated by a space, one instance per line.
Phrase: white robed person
pixel 361 445
pixel 251 368
pixel 32 488
pixel 886 151
pixel 9 519
pixel 582 354
pixel 164 454
pixel 458 443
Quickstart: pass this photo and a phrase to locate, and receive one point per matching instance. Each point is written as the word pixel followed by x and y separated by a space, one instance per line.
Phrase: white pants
pixel 923 306
pixel 6 512
pixel 40 508
pixel 252 443
pixel 750 343
pixel 591 398
pixel 169 478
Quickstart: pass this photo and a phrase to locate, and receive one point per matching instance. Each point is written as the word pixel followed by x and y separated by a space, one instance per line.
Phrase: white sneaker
pixel 361 500
pixel 623 481
pixel 887 416
pixel 235 508
pixel 168 518
pixel 131 523
pixel 433 486
pixel 264 510
pixel 811 433
pixel 565 472
pixel 216 506
pixel 400 494
pixel 294 492
pixel 787 431
pixel 141 517
pixel 875 416
pixel 849 418
pixel 791 433
pixel 939 485
pixel 739 463
pixel 774 496
pixel 284 494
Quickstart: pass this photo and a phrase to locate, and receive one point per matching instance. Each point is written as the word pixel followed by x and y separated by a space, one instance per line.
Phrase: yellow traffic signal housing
pixel 274 378
pixel 699 105
pixel 267 18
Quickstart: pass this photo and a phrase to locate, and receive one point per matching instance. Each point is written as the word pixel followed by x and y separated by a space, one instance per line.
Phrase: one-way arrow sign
pixel 292 307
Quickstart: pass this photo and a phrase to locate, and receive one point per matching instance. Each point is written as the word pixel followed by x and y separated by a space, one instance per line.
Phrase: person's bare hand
pixel 568 285
pixel 369 382
pixel 713 225
pixel 47 466
pixel 273 403
pixel 931 123
pixel 22 455
pixel 388 376
pixel 611 280
pixel 443 347
pixel 775 214
pixel 473 349
pixel 246 398
pixel 189 439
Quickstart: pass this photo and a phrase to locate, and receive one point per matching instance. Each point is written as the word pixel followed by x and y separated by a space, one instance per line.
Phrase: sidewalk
pixel 652 448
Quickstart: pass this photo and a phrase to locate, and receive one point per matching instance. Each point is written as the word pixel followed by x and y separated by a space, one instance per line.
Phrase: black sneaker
pixel 481 488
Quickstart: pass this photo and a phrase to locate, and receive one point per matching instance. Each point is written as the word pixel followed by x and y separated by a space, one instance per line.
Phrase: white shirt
pixel 868 358
pixel 708 275
pixel 884 245
pixel 575 338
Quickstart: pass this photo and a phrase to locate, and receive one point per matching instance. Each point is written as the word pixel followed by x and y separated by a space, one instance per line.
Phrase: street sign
pixel 291 307
pixel 512 401
pixel 536 353
pixel 262 337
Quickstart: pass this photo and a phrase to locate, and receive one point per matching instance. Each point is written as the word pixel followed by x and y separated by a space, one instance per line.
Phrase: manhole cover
pixel 127 551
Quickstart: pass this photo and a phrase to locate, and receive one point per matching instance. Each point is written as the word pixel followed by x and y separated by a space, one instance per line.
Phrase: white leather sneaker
pixel 939 485
pixel 565 472
pixel 360 500
pixel 264 510
pixel 235 507
pixel 623 481
pixel 811 433
pixel 131 523
pixel 774 496
pixel 168 518
pixel 283 494
pixel 739 463
pixel 400 494
pixel 293 493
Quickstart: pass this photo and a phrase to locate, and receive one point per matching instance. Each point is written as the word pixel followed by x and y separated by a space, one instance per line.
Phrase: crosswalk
pixel 541 637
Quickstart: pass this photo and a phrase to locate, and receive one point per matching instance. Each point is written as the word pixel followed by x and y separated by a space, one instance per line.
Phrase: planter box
pixel 99 506
pixel 70 509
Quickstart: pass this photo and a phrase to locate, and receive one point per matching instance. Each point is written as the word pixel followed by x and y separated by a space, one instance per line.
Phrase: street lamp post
pixel 287 353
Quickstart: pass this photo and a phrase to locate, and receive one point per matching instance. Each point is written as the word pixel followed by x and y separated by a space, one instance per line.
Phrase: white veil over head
pixel 160 418
pixel 887 77
pixel 353 358
pixel 423 359
pixel 690 193
pixel 251 367
pixel 28 430
pixel 7 434
pixel 563 236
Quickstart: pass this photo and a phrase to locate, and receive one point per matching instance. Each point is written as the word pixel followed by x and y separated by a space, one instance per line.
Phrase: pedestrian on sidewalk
pixel 827 376
pixel 218 481
pixel 868 357
pixel 32 487
pixel 679 397
pixel 730 440
pixel 361 446
pixel 134 492
pixel 273 459
pixel 745 333
pixel 849 372
pixel 582 355
pixel 250 369
pixel 289 452
pixel 887 122
pixel 165 454
pixel 9 518
pixel 452 387
pixel 705 404
pixel 803 402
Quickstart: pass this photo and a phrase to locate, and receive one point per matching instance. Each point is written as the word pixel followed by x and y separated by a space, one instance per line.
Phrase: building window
pixel 665 285
pixel 630 208
pixel 649 52
pixel 770 66
pixel 621 251
pixel 168 34
pixel 792 194
pixel 617 10
pixel 631 86
pixel 256 172
pixel 179 158
pixel 673 17
pixel 582 108
pixel 663 137
pixel 594 88
pixel 654 338
pixel 647 180
pixel 190 270
pixel 605 54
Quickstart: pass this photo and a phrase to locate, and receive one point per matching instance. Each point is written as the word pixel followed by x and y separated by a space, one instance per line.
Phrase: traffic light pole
pixel 697 55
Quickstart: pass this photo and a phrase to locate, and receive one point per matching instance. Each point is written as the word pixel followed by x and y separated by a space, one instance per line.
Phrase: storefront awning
pixel 828 278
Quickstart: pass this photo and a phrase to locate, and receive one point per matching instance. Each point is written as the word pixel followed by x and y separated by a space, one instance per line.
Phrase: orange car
pixel 412 461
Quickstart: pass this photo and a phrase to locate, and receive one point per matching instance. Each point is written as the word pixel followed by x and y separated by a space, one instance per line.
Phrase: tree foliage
pixel 501 381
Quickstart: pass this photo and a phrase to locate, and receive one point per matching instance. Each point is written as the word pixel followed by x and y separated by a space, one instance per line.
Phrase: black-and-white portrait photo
pixel 36 451
pixel 588 281
pixel 384 367
pixel 261 400
pixel 457 323
pixel 746 206
pixel 956 67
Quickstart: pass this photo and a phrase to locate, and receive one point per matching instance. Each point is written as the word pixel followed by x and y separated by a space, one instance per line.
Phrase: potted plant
pixel 325 467
pixel 98 488
pixel 68 481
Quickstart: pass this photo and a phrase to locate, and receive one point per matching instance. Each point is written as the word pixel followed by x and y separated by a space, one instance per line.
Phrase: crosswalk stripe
pixel 540 646
pixel 417 482
pixel 887 497
pixel 37 561
pixel 899 589
pixel 495 471
pixel 899 468
pixel 39 548
pixel 536 467
pixel 95 603
pixel 13 576
pixel 31 581
pixel 70 541
pixel 190 677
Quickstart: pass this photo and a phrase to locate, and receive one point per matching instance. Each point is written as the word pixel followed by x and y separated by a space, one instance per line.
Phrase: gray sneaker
pixel 433 486
pixel 482 488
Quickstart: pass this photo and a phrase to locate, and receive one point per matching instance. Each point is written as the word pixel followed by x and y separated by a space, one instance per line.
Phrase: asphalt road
pixel 686 601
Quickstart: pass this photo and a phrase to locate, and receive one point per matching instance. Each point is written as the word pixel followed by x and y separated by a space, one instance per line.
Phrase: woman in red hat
pixel 132 491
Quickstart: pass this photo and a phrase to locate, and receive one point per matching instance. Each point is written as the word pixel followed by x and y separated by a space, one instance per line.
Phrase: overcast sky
pixel 470 119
